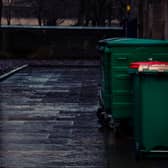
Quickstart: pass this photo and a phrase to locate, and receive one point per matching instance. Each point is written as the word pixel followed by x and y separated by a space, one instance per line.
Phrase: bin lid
pixel 158 66
pixel 133 42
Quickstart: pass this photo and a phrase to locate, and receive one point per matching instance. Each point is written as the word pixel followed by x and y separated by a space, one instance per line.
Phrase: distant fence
pixel 53 42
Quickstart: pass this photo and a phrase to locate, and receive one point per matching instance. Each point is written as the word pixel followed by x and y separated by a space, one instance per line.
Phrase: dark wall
pixel 43 42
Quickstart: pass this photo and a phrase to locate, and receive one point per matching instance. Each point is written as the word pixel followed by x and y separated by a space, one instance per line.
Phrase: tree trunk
pixel 10 2
pixel 1 6
pixel 51 14
pixel 81 13
pixel 39 15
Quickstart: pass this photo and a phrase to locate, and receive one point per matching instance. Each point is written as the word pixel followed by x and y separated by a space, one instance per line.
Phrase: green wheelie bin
pixel 115 92
pixel 150 107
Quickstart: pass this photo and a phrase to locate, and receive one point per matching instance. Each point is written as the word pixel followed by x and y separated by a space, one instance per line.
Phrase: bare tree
pixel 40 10
pixel 105 12
pixel 9 14
pixel 95 12
pixel 87 12
pixel 81 13
pixel 91 13
pixel 46 11
pixel 1 6
pixel 51 17
pixel 38 5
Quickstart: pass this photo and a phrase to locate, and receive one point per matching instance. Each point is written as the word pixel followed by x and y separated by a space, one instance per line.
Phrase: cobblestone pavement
pixel 48 120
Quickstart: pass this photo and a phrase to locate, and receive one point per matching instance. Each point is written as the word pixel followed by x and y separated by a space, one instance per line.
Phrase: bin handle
pixel 122 76
pixel 122 58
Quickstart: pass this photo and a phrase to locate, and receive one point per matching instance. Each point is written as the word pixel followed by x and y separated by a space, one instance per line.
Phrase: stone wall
pixel 54 42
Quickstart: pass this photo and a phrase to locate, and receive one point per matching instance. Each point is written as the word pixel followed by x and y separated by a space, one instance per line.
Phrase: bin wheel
pixel 117 130
pixel 138 153
pixel 100 113
pixel 100 116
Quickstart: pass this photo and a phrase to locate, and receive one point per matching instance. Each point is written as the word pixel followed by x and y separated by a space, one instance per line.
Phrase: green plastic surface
pixel 133 42
pixel 151 111
pixel 115 63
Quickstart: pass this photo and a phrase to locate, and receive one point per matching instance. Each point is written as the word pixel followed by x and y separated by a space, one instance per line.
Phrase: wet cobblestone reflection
pixel 48 120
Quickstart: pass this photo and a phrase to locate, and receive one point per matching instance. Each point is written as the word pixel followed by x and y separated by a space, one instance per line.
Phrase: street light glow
pixel 128 8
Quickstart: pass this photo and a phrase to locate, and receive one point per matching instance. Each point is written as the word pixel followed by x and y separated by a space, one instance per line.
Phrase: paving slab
pixel 48 120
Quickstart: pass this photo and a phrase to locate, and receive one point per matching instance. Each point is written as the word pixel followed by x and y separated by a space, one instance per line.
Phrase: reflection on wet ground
pixel 48 119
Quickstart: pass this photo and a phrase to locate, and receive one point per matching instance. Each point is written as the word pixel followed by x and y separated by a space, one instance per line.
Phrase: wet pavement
pixel 48 120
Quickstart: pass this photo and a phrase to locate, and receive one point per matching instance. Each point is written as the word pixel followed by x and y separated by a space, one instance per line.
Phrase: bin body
pixel 150 110
pixel 118 53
